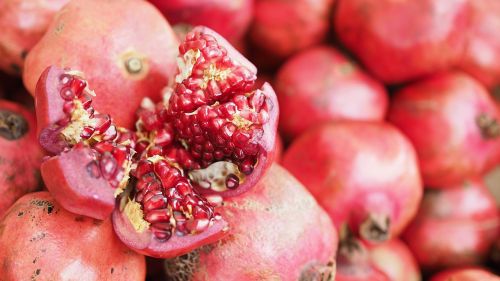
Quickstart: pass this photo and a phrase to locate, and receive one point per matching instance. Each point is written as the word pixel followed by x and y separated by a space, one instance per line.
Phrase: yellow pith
pixel 135 215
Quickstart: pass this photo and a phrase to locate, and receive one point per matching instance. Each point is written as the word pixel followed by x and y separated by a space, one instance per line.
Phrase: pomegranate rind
pixel 77 192
pixel 145 243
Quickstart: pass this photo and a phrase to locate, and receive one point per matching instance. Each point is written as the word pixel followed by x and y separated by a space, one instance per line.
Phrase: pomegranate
pixel 454 226
pixel 212 137
pixel 482 53
pixel 228 18
pixel 403 40
pixel 282 28
pixel 337 161
pixel 353 261
pixel 138 60
pixel 23 23
pixel 465 274
pixel 334 88
pixel 395 259
pixel 279 233
pixel 20 154
pixel 39 240
pixel 453 124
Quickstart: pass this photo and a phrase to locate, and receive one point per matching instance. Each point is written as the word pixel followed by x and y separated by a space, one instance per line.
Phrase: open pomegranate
pixel 212 137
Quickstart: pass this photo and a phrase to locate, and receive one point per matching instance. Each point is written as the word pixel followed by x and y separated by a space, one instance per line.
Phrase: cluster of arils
pixel 212 137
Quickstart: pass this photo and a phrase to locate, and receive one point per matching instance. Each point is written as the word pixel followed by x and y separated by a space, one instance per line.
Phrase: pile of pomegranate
pixel 249 140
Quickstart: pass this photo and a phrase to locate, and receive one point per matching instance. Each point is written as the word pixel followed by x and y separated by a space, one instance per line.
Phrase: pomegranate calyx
pixel 376 228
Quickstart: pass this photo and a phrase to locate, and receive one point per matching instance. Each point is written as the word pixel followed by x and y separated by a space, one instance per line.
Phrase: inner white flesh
pixel 214 176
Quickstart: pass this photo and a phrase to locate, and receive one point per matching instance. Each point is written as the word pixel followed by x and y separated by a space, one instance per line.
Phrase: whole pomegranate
pixel 278 233
pixel 482 53
pixel 353 261
pixel 42 241
pixel 333 89
pixel 230 19
pixel 454 226
pixel 465 274
pixel 20 154
pixel 396 260
pixel 125 47
pixel 364 174
pixel 453 124
pixel 282 28
pixel 23 23
pixel 405 39
pixel 212 137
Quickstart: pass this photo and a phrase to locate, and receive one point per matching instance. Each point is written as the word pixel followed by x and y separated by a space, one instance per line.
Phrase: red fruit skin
pixel 336 162
pixel 454 227
pixel 465 274
pixel 20 159
pixel 440 117
pixel 278 232
pixel 278 155
pixel 403 40
pixel 230 19
pixel 40 240
pixel 396 260
pixel 319 85
pixel 282 28
pixel 482 54
pixel 23 23
pixel 80 38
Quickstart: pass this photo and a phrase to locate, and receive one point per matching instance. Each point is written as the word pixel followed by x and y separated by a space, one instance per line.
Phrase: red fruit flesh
pixel 228 18
pixel 23 23
pixel 42 241
pixel 282 28
pixel 336 163
pixel 453 124
pixel 320 85
pixel 403 40
pixel 465 274
pixel 353 261
pixel 264 221
pixel 214 135
pixel 20 154
pixel 137 61
pixel 454 227
pixel 482 53
pixel 396 260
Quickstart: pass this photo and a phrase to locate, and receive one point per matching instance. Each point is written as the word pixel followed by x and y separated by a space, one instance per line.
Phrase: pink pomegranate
pixel 228 18
pixel 125 47
pixel 319 85
pixel 454 226
pixel 278 233
pixel 20 154
pixel 465 274
pixel 212 137
pixel 403 40
pixel 364 174
pixel 482 54
pixel 353 261
pixel 23 23
pixel 42 241
pixel 396 260
pixel 282 28
pixel 453 124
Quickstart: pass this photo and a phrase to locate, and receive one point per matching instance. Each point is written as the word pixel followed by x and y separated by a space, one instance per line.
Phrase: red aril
pixel 396 260
pixel 465 274
pixel 454 226
pixel 23 23
pixel 228 18
pixel 363 174
pixel 319 85
pixel 402 40
pixel 39 240
pixel 453 124
pixel 265 221
pixel 125 48
pixel 20 154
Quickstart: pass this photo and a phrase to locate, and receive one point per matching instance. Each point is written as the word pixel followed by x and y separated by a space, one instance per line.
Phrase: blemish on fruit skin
pixel 112 270
pixel 79 219
pixel 20 214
